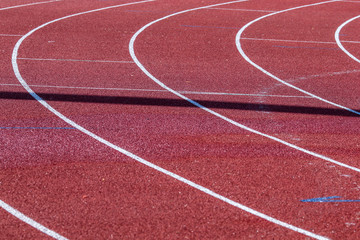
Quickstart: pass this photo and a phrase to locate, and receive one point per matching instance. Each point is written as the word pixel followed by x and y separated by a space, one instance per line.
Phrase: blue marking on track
pixel 40 128
pixel 328 199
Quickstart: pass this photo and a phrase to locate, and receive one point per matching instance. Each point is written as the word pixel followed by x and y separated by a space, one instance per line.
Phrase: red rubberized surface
pixel 82 189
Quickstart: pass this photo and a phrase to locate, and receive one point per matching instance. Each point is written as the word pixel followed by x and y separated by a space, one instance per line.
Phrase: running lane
pixel 85 189
pixel 77 186
pixel 201 62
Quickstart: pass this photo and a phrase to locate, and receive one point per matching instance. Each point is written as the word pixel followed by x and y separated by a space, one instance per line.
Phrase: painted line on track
pixel 329 74
pixel 5 206
pixel 332 199
pixel 302 47
pixel 29 4
pixel 37 128
pixel 197 26
pixel 286 225
pixel 241 9
pixel 74 60
pixel 132 53
pixel 242 53
pixel 10 35
pixel 158 90
pixel 30 221
pixel 338 42
pixel 293 41
pixel 131 155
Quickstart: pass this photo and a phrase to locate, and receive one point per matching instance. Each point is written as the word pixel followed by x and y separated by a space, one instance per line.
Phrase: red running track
pixel 82 189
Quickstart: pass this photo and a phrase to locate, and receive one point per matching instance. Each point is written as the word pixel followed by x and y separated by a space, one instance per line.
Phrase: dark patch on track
pixel 168 102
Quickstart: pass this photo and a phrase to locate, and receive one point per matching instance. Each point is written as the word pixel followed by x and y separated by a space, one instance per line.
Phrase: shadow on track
pixel 168 102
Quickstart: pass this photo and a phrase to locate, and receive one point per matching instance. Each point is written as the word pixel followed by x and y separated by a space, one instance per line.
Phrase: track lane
pixel 163 122
pixel 23 82
pixel 153 64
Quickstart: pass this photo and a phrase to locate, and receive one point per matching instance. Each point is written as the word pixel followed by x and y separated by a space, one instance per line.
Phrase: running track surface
pixel 94 70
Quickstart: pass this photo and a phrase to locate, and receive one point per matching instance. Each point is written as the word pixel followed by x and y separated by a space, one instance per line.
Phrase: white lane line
pixel 330 74
pixel 241 51
pixel 338 42
pixel 30 221
pixel 131 155
pixel 24 84
pixel 347 41
pixel 10 35
pixel 286 40
pixel 75 60
pixel 133 55
pixel 241 10
pixel 156 90
pixel 293 41
pixel 29 4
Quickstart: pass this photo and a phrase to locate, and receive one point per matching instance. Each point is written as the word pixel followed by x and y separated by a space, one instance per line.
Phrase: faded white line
pixel 349 1
pixel 330 74
pixel 10 35
pixel 347 41
pixel 29 4
pixel 75 60
pixel 241 51
pixel 294 41
pixel 30 221
pixel 338 42
pixel 241 10
pixel 24 84
pixel 286 40
pixel 156 90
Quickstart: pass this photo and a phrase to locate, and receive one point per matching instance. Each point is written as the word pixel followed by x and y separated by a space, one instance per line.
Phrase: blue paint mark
pixel 40 128
pixel 337 49
pixel 328 199
pixel 195 26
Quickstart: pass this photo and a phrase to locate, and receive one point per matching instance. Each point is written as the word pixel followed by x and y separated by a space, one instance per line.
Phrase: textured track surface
pixel 80 188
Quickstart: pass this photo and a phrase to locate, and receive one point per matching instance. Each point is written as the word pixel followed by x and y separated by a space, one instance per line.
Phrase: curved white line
pixel 5 206
pixel 338 42
pixel 241 51
pixel 29 4
pixel 133 156
pixel 30 221
pixel 133 55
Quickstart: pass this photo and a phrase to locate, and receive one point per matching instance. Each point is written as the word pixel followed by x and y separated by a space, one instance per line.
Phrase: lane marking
pixel 132 53
pixel 10 35
pixel 242 10
pixel 330 74
pixel 75 60
pixel 38 128
pixel 294 41
pixel 30 221
pixel 333 199
pixel 5 206
pixel 29 4
pixel 157 90
pixel 241 51
pixel 133 156
pixel 302 47
pixel 338 42
pixel 197 26
pixel 347 41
